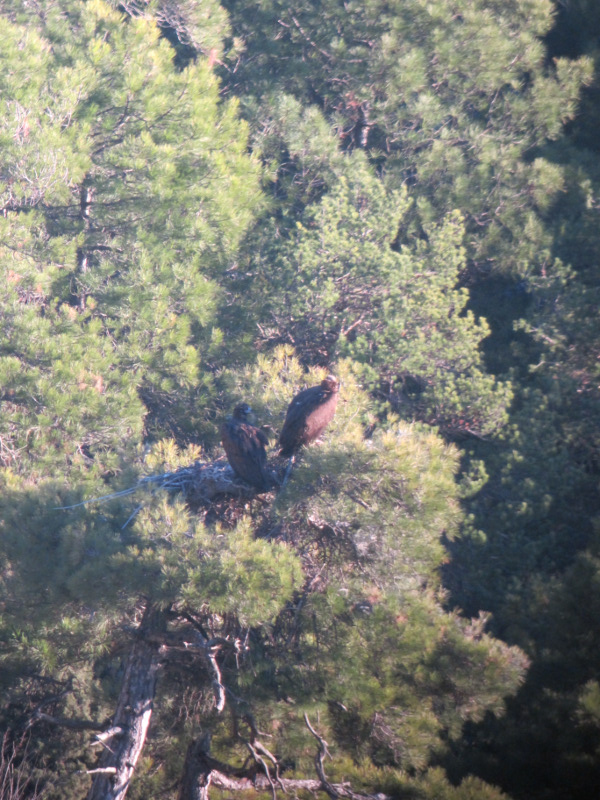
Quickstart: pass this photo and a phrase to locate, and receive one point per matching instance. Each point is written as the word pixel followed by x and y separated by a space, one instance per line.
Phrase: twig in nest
pixel 201 481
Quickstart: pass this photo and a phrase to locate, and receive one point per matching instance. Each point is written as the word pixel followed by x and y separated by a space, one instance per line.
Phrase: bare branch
pixel 307 38
pixel 322 753
pixel 204 771
pixel 207 649
pixel 99 771
pixel 263 764
pixel 220 780
pixel 102 738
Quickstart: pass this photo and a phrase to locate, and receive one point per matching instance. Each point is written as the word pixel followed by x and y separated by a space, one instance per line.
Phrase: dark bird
pixel 244 445
pixel 308 415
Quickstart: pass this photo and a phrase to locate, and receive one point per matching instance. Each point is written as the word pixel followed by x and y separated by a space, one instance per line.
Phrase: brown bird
pixel 308 415
pixel 244 445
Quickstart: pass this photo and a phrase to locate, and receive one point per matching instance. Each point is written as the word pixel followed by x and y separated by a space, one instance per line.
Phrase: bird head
pixel 243 413
pixel 331 384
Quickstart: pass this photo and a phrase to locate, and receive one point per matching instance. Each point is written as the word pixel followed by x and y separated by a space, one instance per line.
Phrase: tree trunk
pixel 132 717
pixel 197 771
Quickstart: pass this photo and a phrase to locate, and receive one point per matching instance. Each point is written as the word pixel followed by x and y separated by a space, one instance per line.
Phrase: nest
pixel 202 482
pixel 201 485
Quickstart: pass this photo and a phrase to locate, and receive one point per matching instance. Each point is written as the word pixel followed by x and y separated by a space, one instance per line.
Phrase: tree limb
pixel 320 756
pixel 203 771
pixel 133 713
pixel 206 649
pixel 260 783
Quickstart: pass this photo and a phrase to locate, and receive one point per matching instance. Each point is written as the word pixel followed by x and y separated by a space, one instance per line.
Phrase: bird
pixel 308 415
pixel 244 446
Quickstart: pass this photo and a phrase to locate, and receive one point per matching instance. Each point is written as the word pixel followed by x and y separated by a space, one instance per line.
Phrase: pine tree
pixel 143 191
pixel 464 103
pixel 126 188
pixel 452 97
pixel 340 285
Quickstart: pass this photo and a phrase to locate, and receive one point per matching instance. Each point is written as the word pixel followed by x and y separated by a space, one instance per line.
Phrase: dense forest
pixel 210 203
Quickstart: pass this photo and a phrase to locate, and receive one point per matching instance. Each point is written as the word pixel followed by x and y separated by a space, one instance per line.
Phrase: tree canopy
pixel 207 204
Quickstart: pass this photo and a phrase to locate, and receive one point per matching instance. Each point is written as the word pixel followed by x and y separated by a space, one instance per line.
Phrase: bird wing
pixel 251 441
pixel 303 403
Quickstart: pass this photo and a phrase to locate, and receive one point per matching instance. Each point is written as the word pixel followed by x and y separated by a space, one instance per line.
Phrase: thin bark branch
pixel 307 38
pixel 320 757
pixel 207 649
pixel 202 771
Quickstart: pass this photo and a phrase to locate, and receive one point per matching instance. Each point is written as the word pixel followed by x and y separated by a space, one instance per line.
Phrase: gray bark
pixel 197 771
pixel 132 718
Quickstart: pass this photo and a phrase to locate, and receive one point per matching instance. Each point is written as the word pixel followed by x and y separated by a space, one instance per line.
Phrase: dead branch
pixel 264 766
pixel 320 756
pixel 260 783
pixel 102 738
pixel 207 649
pixel 99 771
pixel 307 38
pixel 204 771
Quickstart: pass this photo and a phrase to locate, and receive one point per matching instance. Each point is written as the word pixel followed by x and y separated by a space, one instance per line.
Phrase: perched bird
pixel 244 445
pixel 308 415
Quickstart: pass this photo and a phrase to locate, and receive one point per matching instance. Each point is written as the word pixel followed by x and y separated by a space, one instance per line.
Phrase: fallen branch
pixel 204 772
pixel 259 783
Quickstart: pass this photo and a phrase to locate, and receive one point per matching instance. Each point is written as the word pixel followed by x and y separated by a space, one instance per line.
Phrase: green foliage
pixel 342 570
pixel 450 96
pixel 341 288
pixel 366 517
pixel 222 572
pixel 128 190
pixel 417 176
